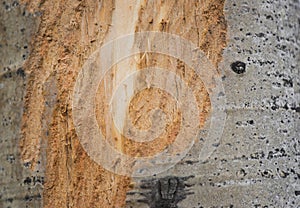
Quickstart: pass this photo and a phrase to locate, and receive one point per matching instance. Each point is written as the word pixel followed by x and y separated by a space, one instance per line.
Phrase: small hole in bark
pixel 238 67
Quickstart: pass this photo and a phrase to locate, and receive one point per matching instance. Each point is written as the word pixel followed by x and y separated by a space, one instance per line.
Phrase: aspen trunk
pixel 250 48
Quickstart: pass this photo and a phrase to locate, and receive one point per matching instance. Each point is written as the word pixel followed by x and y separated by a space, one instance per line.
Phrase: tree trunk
pixel 244 151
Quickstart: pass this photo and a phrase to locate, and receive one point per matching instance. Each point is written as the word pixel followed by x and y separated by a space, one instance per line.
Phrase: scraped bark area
pixel 68 33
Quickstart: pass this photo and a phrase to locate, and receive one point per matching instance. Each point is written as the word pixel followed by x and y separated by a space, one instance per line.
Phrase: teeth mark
pixel 160 192
pixel 164 187
pixel 172 186
pixel 168 188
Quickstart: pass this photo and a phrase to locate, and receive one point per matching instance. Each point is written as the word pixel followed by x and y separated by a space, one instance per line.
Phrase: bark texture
pixel 254 46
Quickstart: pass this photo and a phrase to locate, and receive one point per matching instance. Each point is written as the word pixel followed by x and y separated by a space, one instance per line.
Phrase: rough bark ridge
pixel 68 33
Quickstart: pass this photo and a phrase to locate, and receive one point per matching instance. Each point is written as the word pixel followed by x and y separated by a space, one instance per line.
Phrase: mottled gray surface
pixel 19 187
pixel 257 161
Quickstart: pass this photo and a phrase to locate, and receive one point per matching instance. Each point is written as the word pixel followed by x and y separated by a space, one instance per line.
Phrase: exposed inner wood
pixel 69 32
